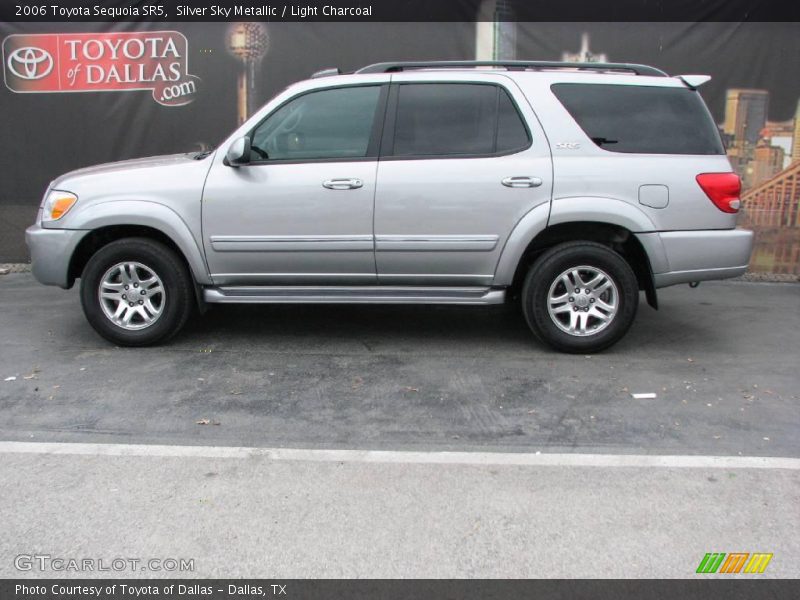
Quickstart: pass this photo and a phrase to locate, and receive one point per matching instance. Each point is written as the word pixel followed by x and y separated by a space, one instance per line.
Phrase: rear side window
pixel 640 119
pixel 455 119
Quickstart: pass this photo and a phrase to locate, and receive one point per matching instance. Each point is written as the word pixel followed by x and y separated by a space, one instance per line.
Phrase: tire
pixel 143 265
pixel 610 306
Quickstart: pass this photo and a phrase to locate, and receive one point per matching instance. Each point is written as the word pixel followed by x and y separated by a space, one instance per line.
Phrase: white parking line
pixel 407 457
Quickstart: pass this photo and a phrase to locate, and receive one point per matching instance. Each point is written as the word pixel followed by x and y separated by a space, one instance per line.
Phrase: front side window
pixel 326 124
pixel 451 119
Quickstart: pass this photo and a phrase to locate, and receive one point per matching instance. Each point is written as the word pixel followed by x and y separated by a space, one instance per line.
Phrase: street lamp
pixel 249 43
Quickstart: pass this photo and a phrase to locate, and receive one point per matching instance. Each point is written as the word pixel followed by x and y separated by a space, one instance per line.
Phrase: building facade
pixel 796 138
pixel 776 202
pixel 745 114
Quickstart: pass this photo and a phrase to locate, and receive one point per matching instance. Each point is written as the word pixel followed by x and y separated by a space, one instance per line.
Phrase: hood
pixel 122 192
pixel 122 165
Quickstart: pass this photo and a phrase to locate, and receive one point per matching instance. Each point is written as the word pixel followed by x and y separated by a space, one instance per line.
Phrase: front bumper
pixel 51 251
pixel 687 256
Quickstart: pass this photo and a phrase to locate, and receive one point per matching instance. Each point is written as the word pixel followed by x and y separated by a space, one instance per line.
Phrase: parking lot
pixel 405 423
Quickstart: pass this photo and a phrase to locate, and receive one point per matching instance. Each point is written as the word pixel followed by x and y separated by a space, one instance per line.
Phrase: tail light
pixel 723 189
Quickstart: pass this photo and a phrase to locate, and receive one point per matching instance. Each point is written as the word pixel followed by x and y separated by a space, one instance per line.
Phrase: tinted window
pixel 335 123
pixel 511 131
pixel 651 120
pixel 454 119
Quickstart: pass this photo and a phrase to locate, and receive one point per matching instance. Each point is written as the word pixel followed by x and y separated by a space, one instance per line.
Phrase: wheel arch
pixel 110 221
pixel 102 236
pixel 613 235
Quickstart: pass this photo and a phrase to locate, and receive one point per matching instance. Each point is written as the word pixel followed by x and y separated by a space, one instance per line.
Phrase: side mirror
pixel 239 152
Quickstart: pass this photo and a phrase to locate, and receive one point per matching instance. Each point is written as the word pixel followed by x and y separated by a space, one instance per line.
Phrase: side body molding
pixel 147 213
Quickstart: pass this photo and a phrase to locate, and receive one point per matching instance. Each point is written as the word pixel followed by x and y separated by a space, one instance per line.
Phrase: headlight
pixel 57 204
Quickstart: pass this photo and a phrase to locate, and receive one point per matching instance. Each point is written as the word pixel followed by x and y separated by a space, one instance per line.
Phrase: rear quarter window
pixel 641 119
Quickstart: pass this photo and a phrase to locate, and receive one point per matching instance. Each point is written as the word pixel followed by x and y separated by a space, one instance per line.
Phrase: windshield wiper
pixel 601 141
pixel 201 155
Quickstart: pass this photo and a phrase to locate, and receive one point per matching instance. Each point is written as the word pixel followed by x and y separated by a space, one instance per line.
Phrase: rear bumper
pixel 51 251
pixel 686 256
pixel 675 277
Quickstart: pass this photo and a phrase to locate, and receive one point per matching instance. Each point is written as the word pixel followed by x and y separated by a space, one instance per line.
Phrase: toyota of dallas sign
pixel 101 62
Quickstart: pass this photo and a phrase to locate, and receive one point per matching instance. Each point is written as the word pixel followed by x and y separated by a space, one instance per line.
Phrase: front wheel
pixel 136 292
pixel 580 297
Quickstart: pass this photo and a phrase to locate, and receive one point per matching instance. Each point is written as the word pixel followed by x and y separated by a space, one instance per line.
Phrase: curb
pixel 768 278
pixel 6 268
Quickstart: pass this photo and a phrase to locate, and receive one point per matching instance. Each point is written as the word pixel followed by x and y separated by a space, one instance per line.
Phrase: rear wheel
pixel 136 292
pixel 580 297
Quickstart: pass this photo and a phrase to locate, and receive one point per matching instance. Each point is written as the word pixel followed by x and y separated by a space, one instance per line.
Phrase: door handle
pixel 342 184
pixel 519 182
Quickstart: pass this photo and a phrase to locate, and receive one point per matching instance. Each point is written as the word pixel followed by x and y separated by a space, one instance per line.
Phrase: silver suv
pixel 572 186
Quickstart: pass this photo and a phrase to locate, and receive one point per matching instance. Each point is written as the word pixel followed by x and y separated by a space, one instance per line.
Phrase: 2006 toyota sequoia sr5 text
pixel 577 185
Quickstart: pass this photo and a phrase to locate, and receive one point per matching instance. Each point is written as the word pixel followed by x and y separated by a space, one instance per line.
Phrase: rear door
pixel 462 161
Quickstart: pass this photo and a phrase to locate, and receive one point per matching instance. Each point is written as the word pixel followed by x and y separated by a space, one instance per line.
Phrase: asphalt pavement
pixel 413 384
pixel 723 360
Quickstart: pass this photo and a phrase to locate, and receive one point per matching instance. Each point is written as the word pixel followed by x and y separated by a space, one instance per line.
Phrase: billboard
pixel 100 62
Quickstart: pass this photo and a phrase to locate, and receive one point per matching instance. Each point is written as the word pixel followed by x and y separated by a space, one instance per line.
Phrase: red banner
pixel 100 62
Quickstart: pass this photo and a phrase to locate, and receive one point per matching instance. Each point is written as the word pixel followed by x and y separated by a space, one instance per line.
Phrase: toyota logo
pixel 30 63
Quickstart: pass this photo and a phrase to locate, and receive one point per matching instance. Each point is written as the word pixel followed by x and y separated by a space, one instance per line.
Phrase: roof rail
pixel 326 73
pixel 520 65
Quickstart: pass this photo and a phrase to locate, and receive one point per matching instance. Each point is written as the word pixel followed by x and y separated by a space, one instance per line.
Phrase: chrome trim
pixel 288 238
pixel 273 274
pixel 353 295
pixel 522 182
pixel 434 275
pixel 342 184
pixel 291 243
pixel 436 243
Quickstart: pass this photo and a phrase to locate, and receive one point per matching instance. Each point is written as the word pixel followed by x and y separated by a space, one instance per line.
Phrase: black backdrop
pixel 46 134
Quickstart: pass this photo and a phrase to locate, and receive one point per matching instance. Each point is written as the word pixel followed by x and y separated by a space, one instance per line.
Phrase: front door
pixel 458 170
pixel 301 211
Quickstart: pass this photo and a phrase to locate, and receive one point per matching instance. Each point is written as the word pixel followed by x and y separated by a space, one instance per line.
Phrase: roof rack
pixel 326 73
pixel 512 65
